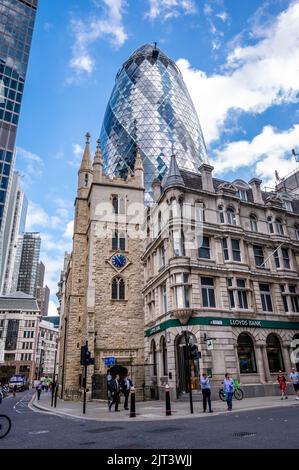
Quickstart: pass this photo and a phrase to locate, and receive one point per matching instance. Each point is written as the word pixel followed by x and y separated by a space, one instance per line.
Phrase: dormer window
pixel 243 195
pixel 287 205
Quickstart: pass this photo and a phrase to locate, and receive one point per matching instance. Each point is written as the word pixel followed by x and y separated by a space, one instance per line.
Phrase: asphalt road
pixel 262 429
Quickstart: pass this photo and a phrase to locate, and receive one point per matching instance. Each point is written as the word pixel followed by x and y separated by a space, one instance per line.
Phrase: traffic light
pixel 193 349
pixel 86 359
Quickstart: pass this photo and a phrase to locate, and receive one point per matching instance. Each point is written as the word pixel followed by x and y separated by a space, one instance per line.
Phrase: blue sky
pixel 239 59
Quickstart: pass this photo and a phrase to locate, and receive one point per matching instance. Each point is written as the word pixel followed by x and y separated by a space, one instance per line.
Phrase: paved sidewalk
pixel 153 410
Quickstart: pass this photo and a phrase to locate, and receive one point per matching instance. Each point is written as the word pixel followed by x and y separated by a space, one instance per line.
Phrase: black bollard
pixel 55 396
pixel 167 400
pixel 132 407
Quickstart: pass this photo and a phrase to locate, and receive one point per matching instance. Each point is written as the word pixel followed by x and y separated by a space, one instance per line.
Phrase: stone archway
pixel 181 364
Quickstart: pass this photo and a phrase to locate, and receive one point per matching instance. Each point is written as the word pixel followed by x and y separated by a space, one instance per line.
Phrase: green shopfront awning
pixel 231 322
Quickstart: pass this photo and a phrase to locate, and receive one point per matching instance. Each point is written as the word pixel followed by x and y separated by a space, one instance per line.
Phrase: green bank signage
pixel 246 323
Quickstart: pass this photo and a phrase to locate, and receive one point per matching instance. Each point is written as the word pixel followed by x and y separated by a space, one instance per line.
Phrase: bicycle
pixel 5 425
pixel 238 393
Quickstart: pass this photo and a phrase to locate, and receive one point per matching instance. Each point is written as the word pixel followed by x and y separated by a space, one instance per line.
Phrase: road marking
pixel 38 432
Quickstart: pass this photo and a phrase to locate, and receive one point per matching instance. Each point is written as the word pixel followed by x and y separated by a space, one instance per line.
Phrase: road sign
pixel 109 361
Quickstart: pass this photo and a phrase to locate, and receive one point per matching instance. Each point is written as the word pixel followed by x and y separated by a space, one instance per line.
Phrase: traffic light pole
pixel 85 382
pixel 187 357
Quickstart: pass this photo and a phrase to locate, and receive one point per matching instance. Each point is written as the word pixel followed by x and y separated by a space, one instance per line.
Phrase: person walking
pixel 294 376
pixel 126 385
pixel 282 384
pixel 115 388
pixel 39 389
pixel 229 388
pixel 14 391
pixel 109 391
pixel 206 392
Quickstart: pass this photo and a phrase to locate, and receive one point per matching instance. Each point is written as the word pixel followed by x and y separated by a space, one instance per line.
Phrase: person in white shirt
pixel 294 376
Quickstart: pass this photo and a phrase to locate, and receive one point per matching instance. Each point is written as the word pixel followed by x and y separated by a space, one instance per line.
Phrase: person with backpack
pixel 229 388
pixel 126 385
pixel 115 390
pixel 282 384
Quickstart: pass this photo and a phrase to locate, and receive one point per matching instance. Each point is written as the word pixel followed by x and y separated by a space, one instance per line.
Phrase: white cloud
pixel 256 77
pixel 166 9
pixel 109 26
pixel 77 155
pixel 30 164
pixel 268 151
pixel 38 218
pixel 52 309
pixel 69 230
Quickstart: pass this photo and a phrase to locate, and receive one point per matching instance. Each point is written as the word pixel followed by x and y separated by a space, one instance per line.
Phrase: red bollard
pixel 167 400
pixel 133 406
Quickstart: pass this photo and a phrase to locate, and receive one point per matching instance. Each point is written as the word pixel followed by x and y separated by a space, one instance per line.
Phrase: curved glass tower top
pixel 150 106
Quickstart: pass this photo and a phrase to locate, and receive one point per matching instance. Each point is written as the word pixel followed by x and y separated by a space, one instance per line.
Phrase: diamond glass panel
pixel 150 106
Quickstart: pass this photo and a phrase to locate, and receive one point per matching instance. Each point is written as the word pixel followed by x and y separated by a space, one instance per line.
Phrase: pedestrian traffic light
pixel 194 354
pixel 86 359
pixel 84 349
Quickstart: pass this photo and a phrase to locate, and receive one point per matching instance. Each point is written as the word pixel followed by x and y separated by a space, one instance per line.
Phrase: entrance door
pixel 182 366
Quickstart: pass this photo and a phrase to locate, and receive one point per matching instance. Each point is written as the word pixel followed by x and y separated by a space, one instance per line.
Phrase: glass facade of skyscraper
pixel 150 106
pixel 16 28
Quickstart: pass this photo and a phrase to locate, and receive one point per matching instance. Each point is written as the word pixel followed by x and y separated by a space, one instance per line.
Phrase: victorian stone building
pixel 101 296
pixel 221 262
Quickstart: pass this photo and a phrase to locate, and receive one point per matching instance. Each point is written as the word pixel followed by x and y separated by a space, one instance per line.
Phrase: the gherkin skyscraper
pixel 150 107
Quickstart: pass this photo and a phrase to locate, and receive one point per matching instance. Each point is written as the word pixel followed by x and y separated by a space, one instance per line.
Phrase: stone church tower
pixel 103 282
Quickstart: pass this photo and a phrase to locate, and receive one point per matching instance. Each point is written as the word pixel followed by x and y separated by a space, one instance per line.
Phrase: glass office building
pixel 150 105
pixel 16 28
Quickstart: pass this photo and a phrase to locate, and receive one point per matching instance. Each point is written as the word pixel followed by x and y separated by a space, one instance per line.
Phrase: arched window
pixel 231 216
pixel 118 241
pixel 154 357
pixel 122 205
pixel 221 214
pixel 296 227
pixel 246 354
pixel 164 356
pixel 279 226
pixel 115 204
pixel 274 353
pixel 118 288
pixel 253 223
pixel 270 225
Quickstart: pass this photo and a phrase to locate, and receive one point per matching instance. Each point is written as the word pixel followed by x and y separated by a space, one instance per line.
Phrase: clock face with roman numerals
pixel 118 261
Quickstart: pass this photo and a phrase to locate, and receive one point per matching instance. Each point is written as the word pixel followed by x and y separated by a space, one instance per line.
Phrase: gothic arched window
pixel 118 288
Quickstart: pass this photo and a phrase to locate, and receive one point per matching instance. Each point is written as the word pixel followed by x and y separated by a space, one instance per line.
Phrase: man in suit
pixel 115 390
pixel 126 386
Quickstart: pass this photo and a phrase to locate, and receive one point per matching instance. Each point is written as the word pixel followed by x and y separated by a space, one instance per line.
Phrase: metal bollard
pixel 55 396
pixel 132 407
pixel 167 400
